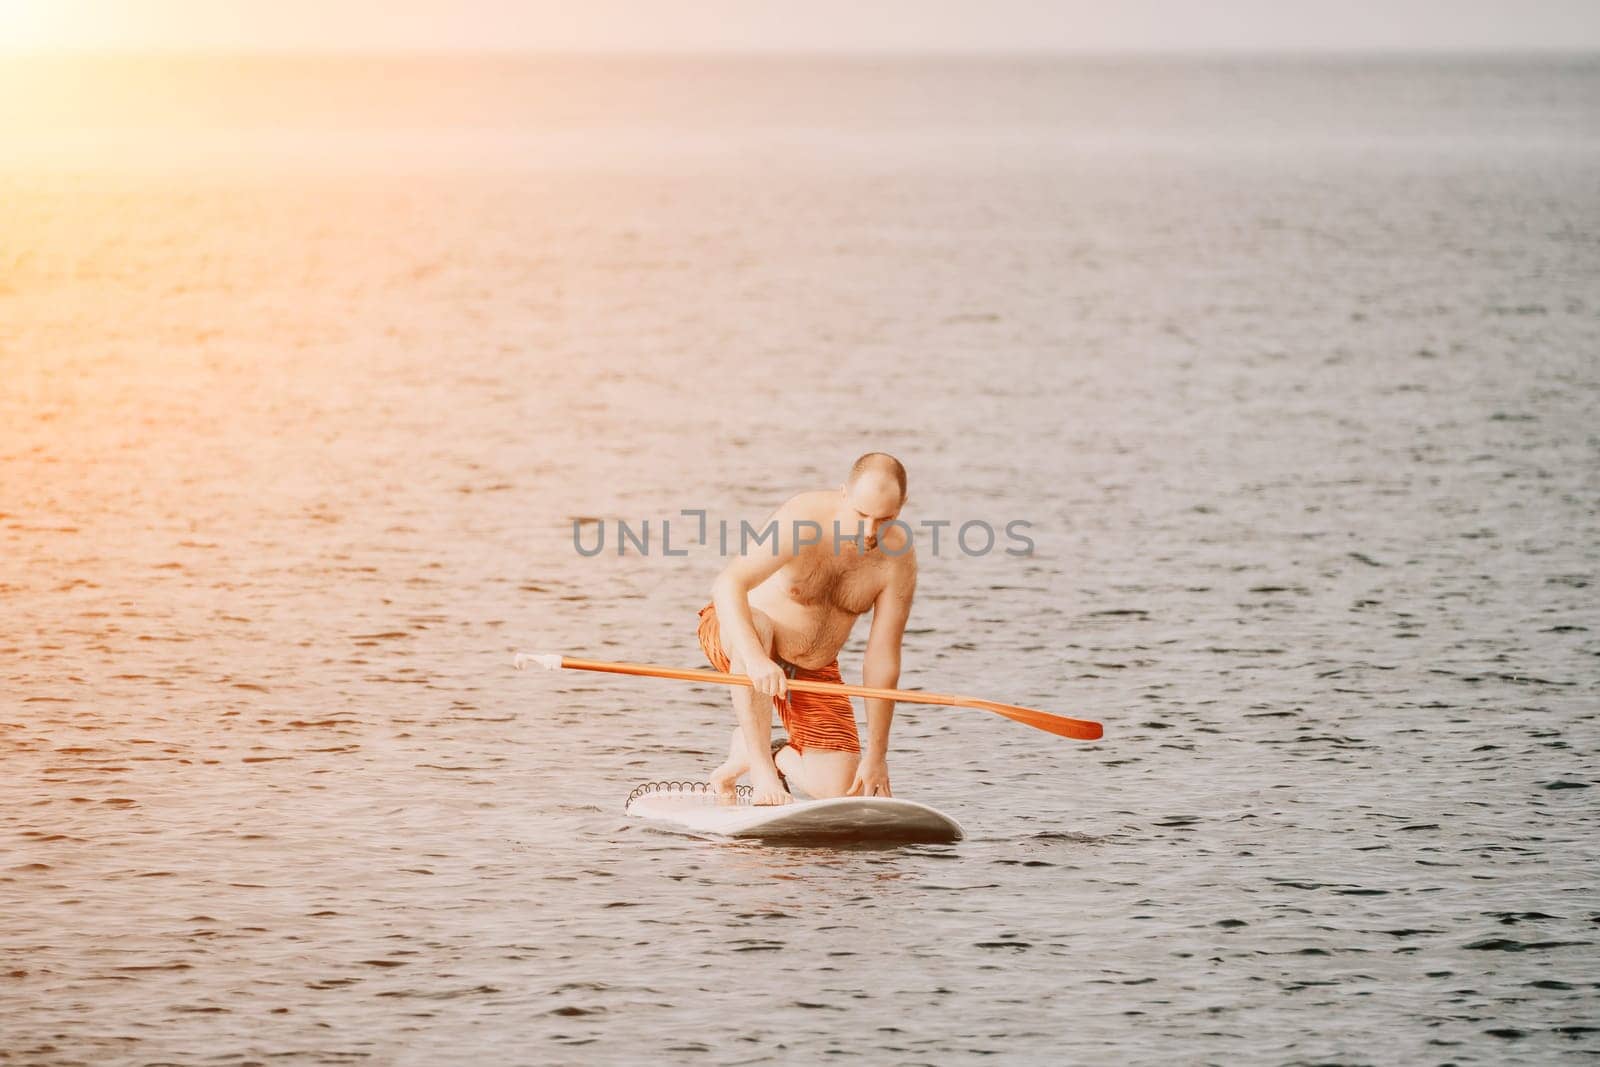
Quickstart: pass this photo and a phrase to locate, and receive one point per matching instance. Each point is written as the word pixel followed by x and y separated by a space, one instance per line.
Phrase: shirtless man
pixel 784 610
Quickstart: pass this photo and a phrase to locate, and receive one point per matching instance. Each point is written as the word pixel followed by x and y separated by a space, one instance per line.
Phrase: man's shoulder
pixel 811 504
pixel 902 564
pixel 899 545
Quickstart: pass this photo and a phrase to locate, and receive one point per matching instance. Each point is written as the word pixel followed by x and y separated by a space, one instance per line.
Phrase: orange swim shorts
pixel 813 720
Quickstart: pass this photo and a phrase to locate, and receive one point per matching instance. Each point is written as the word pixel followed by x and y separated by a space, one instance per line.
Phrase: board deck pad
pixel 865 820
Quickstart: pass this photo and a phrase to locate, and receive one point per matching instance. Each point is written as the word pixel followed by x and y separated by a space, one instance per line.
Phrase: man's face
pixel 871 501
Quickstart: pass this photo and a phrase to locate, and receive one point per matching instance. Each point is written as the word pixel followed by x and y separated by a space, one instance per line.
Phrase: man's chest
pixel 846 582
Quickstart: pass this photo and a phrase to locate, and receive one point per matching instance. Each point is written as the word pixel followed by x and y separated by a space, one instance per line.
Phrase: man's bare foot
pixel 723 782
pixel 767 787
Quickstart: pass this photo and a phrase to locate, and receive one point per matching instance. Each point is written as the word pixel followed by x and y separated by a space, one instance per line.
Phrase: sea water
pixel 308 369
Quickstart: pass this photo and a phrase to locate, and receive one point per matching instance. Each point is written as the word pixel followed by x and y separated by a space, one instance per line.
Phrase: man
pixel 784 607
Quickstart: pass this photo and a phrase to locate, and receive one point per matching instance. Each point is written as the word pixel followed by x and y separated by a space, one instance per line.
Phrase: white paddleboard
pixel 686 806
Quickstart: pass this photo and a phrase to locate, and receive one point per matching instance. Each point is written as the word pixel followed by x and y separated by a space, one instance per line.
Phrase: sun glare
pixel 29 25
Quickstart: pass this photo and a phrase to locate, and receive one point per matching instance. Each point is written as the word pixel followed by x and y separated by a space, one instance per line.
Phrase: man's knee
pixel 830 775
pixel 764 631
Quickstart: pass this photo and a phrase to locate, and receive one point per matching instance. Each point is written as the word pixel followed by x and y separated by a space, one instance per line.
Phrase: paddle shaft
pixel 1079 729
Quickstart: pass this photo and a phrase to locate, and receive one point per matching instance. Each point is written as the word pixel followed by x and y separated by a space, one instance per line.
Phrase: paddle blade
pixel 1060 725
pixel 525 659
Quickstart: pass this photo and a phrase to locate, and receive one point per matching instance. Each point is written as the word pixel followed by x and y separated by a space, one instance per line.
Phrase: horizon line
pixel 1281 52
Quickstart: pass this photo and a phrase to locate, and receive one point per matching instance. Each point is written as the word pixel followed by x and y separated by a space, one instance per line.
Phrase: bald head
pixel 880 466
pixel 876 488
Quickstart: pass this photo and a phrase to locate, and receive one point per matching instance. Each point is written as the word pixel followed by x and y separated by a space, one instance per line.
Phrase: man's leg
pixel 818 772
pixel 725 777
pixel 754 729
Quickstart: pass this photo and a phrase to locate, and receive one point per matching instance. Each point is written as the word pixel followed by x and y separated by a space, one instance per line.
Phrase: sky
pixel 800 25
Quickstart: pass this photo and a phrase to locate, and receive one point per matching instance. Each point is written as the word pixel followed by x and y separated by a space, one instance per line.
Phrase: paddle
pixel 1081 729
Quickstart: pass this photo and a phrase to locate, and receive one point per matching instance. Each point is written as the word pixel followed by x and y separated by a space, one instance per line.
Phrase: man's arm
pixel 880 669
pixel 731 594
